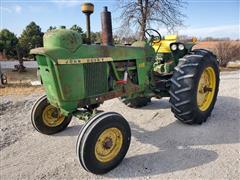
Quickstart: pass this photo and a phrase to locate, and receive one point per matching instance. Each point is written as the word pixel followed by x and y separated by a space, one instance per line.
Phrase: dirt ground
pixel 161 147
pixel 210 44
pixel 23 78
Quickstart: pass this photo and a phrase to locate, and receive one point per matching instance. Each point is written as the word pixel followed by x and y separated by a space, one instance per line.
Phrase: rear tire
pixel 191 100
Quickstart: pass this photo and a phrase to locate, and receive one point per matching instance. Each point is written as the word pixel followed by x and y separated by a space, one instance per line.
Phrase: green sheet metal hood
pixel 62 38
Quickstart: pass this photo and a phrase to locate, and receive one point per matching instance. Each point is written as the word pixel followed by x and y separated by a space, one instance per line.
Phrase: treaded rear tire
pixel 184 86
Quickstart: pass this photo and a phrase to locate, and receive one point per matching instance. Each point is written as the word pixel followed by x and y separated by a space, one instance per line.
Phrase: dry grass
pixel 226 51
pixel 210 45
pixel 20 90
pixel 15 77
pixel 19 83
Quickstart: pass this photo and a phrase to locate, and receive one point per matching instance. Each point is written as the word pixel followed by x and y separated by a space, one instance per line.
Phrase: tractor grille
pixel 96 80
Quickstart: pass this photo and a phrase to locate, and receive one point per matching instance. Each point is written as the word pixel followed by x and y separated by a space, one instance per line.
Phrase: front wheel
pixel 194 87
pixel 47 119
pixel 103 142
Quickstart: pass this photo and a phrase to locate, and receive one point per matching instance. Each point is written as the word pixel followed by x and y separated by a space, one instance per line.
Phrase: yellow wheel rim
pixel 51 116
pixel 206 88
pixel 108 145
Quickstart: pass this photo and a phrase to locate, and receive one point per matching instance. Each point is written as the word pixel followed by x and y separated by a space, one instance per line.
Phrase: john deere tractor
pixel 79 77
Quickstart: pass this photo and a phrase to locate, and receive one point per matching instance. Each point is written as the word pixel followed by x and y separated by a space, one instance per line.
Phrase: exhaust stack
pixel 87 9
pixel 107 38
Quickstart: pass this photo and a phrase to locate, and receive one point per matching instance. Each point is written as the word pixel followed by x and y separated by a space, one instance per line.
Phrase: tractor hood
pixel 61 38
pixel 60 42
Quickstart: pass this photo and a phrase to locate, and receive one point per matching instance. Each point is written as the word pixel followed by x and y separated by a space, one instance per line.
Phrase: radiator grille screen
pixel 96 79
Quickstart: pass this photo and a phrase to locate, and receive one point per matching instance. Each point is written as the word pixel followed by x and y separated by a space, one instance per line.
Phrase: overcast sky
pixel 216 18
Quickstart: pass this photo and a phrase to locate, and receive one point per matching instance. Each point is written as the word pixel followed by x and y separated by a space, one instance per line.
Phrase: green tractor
pixel 78 77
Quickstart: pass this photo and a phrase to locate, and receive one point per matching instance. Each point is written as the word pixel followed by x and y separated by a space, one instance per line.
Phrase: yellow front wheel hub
pixel 108 145
pixel 206 88
pixel 52 117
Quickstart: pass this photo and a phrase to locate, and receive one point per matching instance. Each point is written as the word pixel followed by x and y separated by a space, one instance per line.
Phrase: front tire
pixel 194 87
pixel 47 119
pixel 103 142
pixel 3 79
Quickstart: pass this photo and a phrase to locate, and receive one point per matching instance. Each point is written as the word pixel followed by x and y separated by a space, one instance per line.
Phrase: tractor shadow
pixel 175 143
pixel 158 104
pixel 73 129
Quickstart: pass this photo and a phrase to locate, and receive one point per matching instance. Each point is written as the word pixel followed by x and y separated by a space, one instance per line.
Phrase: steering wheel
pixel 152 38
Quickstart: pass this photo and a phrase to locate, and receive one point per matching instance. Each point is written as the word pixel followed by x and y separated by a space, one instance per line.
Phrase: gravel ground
pixel 161 147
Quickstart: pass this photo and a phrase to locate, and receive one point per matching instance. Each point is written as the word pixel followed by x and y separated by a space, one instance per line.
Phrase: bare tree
pixel 144 13
pixel 125 36
pixel 227 51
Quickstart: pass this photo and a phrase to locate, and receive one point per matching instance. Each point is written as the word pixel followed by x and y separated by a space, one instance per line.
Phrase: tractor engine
pixel 80 75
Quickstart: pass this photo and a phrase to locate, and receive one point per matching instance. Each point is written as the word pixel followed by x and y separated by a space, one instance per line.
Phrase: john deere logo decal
pixel 84 60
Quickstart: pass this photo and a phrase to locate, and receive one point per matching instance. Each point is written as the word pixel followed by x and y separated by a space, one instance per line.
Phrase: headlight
pixel 181 47
pixel 173 47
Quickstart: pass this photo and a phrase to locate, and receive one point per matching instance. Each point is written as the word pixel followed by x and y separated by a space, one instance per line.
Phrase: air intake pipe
pixel 107 37
pixel 87 9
